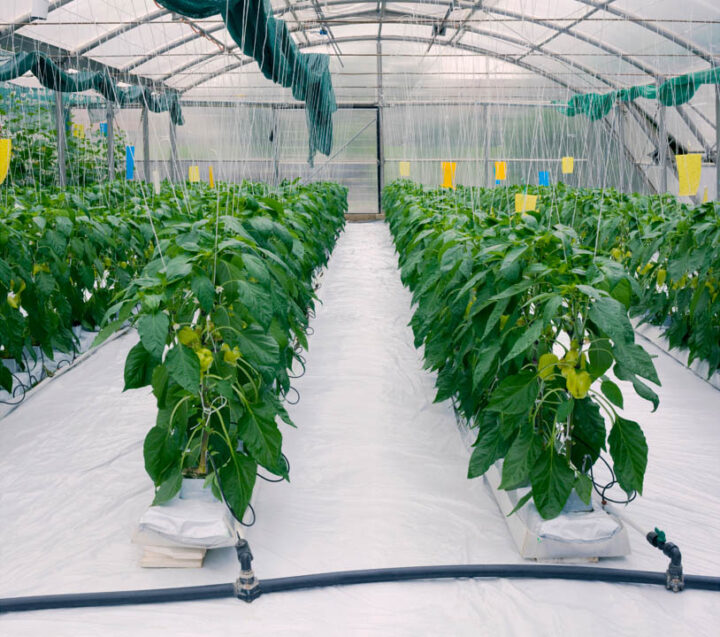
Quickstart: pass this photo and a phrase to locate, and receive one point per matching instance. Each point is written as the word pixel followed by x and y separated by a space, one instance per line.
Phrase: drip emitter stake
pixel 675 581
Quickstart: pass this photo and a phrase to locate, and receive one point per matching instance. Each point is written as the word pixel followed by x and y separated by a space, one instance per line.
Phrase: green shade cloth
pixel 676 91
pixel 51 76
pixel 268 41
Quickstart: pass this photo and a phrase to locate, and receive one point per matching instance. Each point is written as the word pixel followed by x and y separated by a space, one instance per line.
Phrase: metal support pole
pixel 621 144
pixel 111 140
pixel 717 142
pixel 61 142
pixel 380 158
pixel 144 117
pixel 174 166
pixel 488 166
pixel 275 147
pixel 378 116
pixel 662 148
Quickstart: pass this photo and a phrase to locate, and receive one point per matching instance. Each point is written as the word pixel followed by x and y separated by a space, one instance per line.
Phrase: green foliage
pixel 30 122
pixel 63 256
pixel 221 307
pixel 521 319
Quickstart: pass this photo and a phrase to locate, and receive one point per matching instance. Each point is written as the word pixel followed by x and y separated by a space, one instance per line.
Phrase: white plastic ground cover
pixel 655 335
pixel 378 480
pixel 38 367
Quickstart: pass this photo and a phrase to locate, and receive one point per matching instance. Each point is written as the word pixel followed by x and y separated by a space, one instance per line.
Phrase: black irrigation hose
pixel 117 598
pixel 521 571
pixel 343 578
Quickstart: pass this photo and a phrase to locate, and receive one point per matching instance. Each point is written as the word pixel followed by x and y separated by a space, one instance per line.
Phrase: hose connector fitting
pixel 247 587
pixel 674 580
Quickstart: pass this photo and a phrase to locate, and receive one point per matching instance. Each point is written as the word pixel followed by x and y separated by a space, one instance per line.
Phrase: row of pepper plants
pixel 671 248
pixel 63 255
pixel 218 283
pixel 221 308
pixel 523 321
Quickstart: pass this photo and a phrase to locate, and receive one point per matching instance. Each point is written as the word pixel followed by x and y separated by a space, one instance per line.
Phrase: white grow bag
pixel 573 535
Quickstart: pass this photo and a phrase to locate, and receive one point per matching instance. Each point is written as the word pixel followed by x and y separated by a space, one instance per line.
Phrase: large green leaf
pixel 139 366
pixel 611 317
pixel 600 357
pixel 6 378
pixel 519 459
pixel 486 358
pixel 515 394
pixel 629 452
pixel 161 452
pixel 635 359
pixel 237 479
pixel 552 481
pixel 258 347
pixel 153 330
pixel 170 486
pixel 184 367
pixel 489 446
pixel 262 438
pixel 612 392
pixel 526 341
pixel 588 434
pixel 204 290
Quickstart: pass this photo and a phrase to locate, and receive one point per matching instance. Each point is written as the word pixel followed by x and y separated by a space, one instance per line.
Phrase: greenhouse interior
pixel 322 317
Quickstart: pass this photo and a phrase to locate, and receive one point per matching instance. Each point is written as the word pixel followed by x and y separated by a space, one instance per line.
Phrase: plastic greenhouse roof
pixel 503 50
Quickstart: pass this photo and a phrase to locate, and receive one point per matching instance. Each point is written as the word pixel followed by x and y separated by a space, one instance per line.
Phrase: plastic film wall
pixel 529 139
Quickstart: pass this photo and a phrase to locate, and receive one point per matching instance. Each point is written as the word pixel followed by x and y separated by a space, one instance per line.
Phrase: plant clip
pixel 247 587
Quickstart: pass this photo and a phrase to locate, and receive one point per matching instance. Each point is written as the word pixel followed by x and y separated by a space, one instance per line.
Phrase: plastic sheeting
pixel 378 480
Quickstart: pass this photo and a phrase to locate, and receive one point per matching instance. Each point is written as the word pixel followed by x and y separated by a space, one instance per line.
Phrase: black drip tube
pixel 117 598
pixel 343 578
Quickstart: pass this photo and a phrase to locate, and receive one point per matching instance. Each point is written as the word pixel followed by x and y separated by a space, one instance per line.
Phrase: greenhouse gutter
pixel 347 578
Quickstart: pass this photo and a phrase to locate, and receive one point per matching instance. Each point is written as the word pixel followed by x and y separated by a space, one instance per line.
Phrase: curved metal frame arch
pixel 113 33
pixel 393 38
pixel 460 31
pixel 491 34
pixel 604 6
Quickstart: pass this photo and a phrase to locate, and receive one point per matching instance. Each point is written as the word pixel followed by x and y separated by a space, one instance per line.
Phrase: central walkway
pixel 378 472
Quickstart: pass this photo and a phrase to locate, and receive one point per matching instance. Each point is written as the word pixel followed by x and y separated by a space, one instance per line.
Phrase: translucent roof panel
pixel 569 45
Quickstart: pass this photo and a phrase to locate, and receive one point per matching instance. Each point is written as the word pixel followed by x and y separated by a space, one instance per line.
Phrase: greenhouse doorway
pixel 354 161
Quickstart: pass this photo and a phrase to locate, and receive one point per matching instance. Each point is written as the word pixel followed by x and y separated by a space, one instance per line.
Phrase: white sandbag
pixel 198 523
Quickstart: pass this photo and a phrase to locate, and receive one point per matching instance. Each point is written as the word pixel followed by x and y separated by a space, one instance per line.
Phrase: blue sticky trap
pixel 544 178
pixel 129 162
pixel 497 182
pixel 103 128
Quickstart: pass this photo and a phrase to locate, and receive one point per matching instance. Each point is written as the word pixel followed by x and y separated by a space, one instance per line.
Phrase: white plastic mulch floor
pixel 378 480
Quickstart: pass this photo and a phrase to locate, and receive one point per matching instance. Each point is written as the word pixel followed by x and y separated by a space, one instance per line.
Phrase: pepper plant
pixel 523 323
pixel 221 310
pixel 670 248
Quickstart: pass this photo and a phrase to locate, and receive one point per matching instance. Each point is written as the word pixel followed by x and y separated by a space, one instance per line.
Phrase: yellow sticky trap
pixel 194 174
pixel 404 168
pixel 211 177
pixel 525 203
pixel 689 169
pixel 448 173
pixel 568 165
pixel 705 195
pixel 500 170
pixel 5 154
